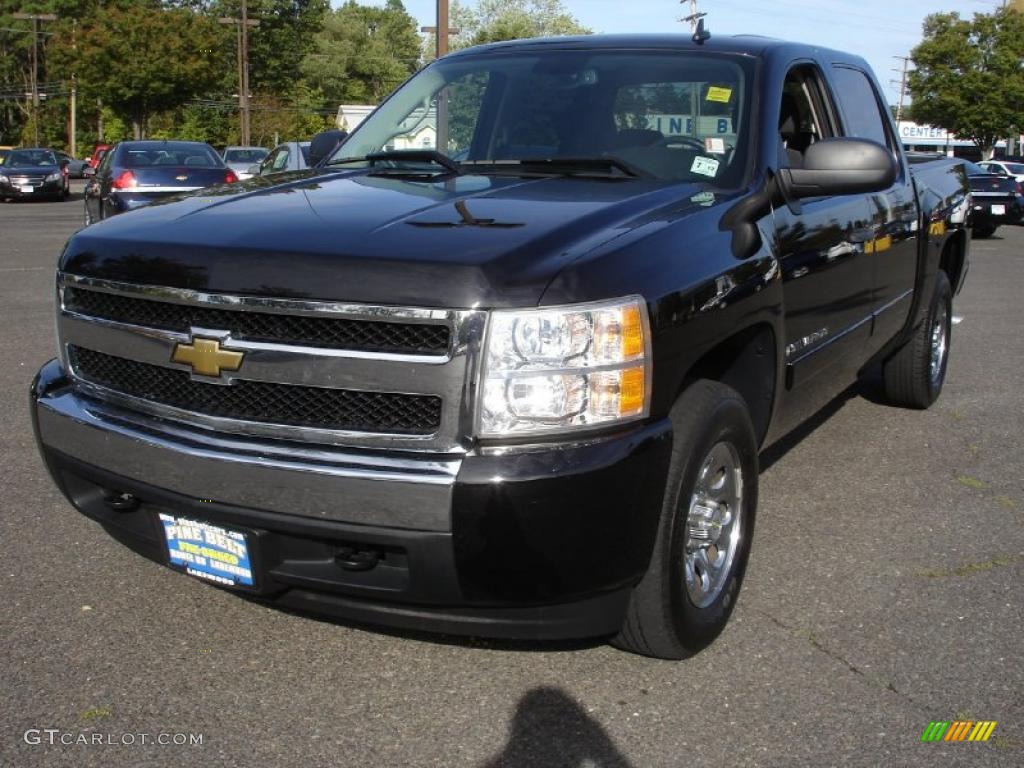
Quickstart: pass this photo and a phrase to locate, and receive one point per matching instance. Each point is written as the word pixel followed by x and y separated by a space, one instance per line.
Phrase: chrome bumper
pixel 363 488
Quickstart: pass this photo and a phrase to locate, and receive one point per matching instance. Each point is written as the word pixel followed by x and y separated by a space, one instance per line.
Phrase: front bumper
pixel 46 189
pixel 538 544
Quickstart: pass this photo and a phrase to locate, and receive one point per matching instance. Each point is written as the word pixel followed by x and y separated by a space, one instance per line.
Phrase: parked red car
pixel 98 152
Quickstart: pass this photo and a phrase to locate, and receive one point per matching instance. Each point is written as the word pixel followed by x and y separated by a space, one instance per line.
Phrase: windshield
pixel 244 155
pixel 177 155
pixel 673 116
pixel 30 157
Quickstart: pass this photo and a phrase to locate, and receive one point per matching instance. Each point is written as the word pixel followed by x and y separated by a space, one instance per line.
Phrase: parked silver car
pixel 241 159
pixel 289 156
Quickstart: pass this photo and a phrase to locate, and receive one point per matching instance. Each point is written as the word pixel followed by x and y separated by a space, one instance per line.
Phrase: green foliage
pixel 491 21
pixel 363 53
pixel 968 76
pixel 141 59
pixel 277 46
pixel 294 119
pixel 168 68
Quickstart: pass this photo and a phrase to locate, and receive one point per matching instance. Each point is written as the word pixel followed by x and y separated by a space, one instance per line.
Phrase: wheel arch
pixel 746 361
pixel 954 258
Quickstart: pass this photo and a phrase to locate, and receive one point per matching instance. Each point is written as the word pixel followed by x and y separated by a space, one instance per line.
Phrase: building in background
pixel 351 115
pixel 927 138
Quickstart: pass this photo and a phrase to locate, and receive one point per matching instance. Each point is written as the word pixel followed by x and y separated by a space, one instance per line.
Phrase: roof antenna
pixel 700 34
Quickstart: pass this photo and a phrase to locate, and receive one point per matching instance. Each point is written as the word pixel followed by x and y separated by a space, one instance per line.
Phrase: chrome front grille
pixel 322 372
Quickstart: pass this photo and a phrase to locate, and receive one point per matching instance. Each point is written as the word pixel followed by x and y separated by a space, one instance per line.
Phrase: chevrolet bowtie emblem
pixel 206 357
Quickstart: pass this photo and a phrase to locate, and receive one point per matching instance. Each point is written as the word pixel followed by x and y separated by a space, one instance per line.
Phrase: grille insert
pixel 326 332
pixel 257 401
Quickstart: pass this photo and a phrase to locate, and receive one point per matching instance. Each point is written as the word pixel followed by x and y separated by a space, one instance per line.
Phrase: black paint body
pixel 830 285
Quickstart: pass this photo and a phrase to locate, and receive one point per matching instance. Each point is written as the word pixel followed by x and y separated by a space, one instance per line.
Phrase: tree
pixel 363 53
pixel 142 58
pixel 968 76
pixel 490 21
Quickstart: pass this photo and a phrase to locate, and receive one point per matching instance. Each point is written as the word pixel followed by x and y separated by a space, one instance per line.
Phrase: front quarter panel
pixel 698 294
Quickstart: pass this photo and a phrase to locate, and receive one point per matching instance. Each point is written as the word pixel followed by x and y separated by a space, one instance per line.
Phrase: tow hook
pixel 352 559
pixel 121 501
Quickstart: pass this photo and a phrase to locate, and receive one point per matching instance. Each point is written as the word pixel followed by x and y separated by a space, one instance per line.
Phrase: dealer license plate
pixel 210 552
pixel 998 210
pixel 26 188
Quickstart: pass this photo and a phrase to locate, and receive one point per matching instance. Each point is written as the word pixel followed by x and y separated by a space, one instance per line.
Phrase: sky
pixel 878 30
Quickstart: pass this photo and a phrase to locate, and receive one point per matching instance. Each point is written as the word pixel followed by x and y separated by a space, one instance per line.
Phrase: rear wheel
pixel 980 233
pixel 914 375
pixel 688 593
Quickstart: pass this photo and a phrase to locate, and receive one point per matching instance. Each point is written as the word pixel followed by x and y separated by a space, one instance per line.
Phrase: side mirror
pixel 323 145
pixel 88 172
pixel 840 166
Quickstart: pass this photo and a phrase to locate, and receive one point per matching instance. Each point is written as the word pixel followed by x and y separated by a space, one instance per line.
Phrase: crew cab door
pixel 892 247
pixel 827 282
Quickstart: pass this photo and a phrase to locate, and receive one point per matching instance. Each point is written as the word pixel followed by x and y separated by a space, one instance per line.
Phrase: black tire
pixel 983 233
pixel 662 619
pixel 911 379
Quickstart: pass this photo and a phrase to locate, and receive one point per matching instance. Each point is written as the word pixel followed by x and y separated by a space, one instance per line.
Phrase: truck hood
pixel 466 241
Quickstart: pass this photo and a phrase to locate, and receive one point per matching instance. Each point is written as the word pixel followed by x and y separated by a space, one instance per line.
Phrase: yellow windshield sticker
pixel 719 94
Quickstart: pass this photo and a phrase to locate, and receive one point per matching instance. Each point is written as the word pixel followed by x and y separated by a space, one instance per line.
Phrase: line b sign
pixel 958 730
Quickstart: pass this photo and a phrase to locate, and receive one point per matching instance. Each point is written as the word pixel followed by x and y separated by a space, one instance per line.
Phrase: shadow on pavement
pixel 551 730
pixel 869 386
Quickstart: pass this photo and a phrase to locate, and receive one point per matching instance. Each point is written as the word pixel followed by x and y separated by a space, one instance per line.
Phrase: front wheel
pixel 687 595
pixel 914 375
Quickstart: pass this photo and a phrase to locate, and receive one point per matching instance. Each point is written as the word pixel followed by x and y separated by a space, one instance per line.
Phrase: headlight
pixel 54 176
pixel 4 179
pixel 564 368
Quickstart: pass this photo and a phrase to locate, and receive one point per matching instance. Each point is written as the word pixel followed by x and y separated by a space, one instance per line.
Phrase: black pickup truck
pixel 503 364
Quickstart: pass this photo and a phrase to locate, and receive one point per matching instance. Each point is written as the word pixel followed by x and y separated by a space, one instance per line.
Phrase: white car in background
pixel 241 159
pixel 1004 168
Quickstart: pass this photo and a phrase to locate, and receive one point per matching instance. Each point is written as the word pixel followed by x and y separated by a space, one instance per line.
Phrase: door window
pixel 804 114
pixel 863 118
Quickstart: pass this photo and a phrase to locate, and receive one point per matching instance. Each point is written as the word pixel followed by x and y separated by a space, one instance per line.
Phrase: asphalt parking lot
pixel 884 592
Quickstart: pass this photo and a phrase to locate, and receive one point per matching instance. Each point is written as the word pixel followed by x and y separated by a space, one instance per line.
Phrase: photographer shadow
pixel 551 730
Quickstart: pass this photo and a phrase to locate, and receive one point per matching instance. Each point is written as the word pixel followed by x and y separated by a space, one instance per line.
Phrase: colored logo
pixel 206 357
pixel 958 730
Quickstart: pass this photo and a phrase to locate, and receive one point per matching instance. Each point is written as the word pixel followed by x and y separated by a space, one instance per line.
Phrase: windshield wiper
pixel 567 166
pixel 404 156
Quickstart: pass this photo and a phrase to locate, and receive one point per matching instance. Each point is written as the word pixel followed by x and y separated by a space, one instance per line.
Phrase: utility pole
pixel 903 84
pixel 73 129
pixel 35 18
pixel 73 122
pixel 442 37
pixel 694 16
pixel 441 34
pixel 244 23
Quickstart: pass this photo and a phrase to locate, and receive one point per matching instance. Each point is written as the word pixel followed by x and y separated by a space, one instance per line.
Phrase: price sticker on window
pixel 720 94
